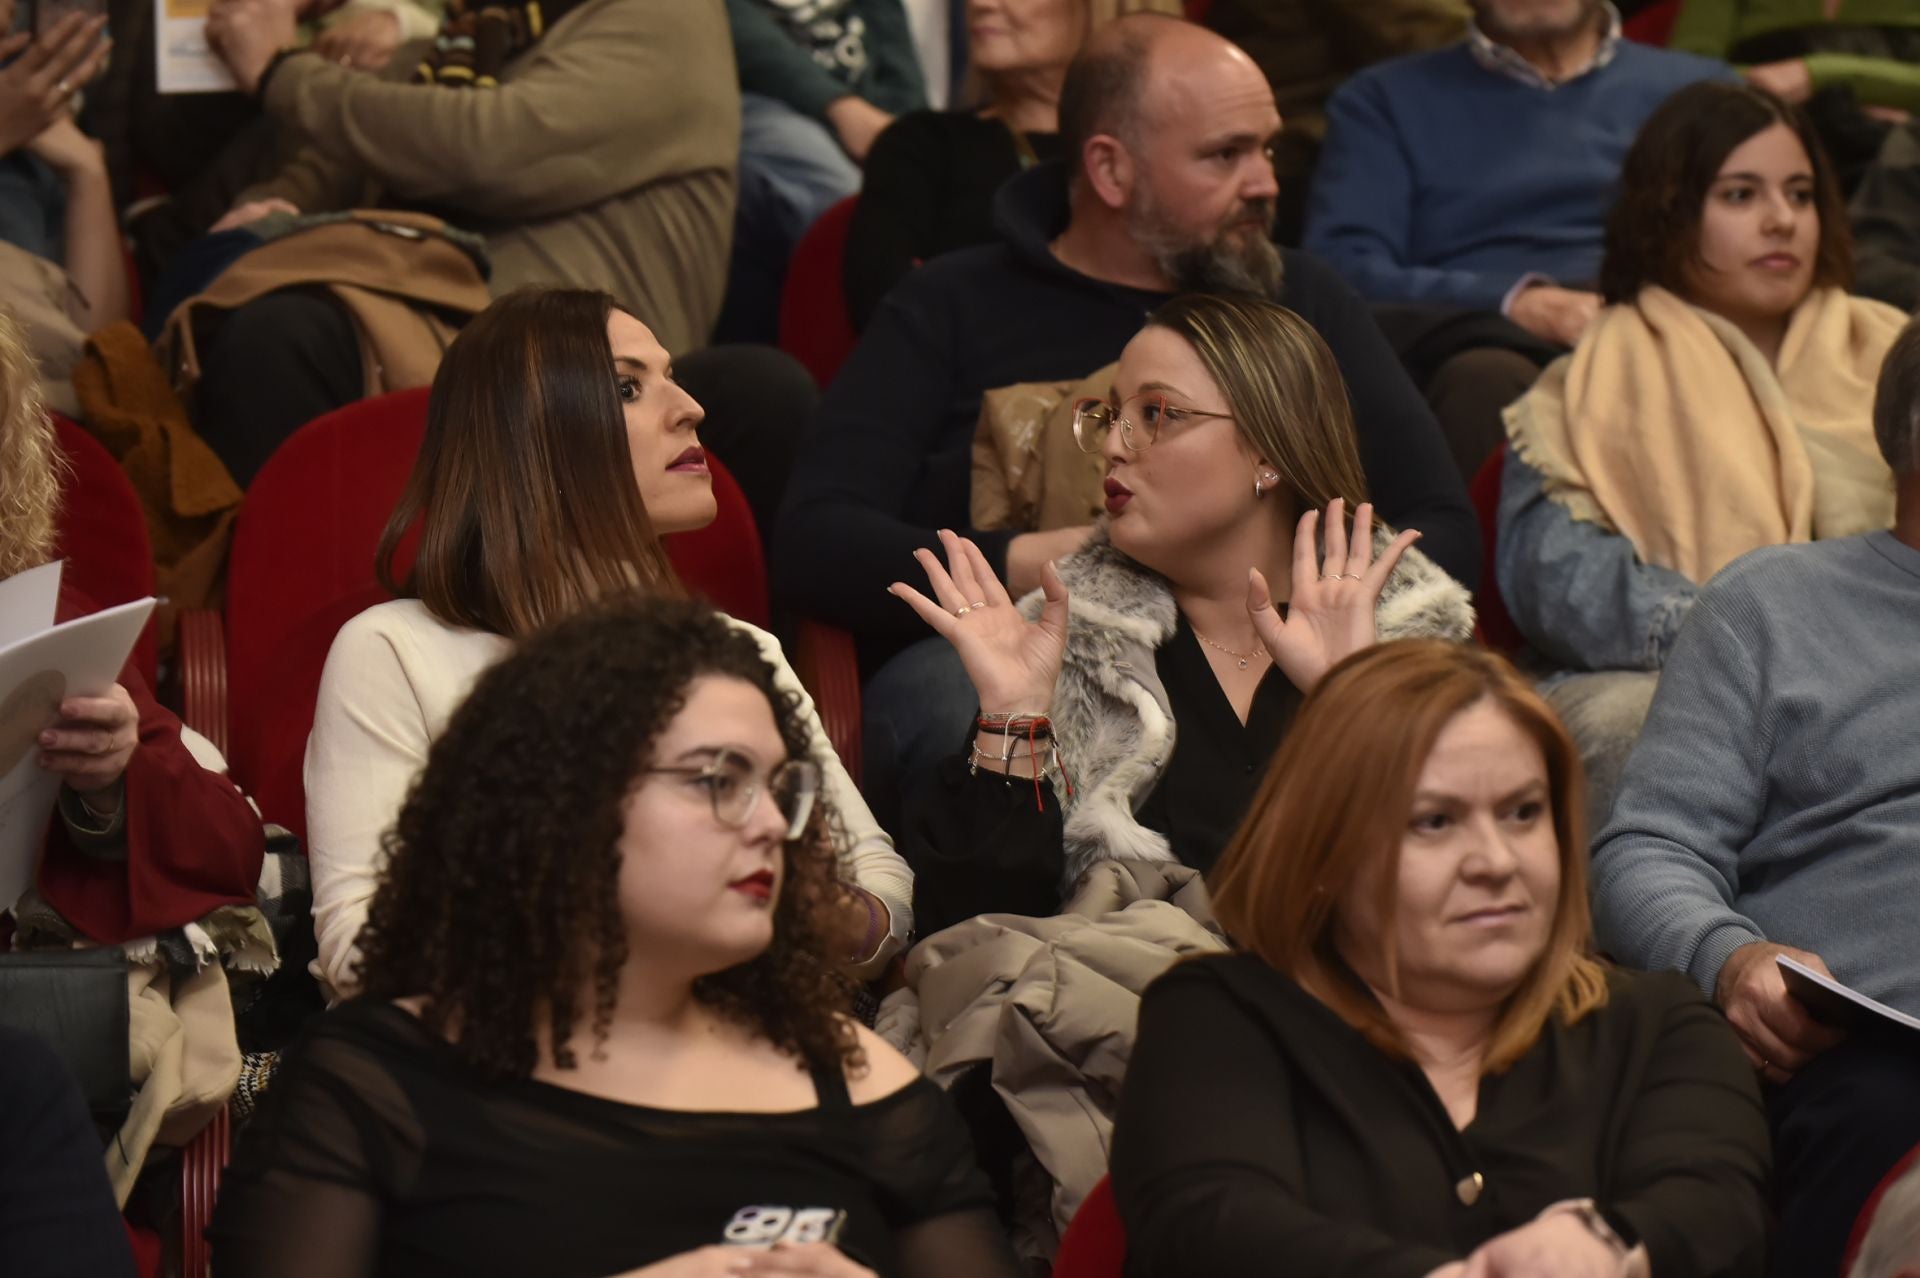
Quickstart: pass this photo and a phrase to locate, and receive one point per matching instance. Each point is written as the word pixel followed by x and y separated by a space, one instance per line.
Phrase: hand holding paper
pixel 90 746
pixel 1777 1032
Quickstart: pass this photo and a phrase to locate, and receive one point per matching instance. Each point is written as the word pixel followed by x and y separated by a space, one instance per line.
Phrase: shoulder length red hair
pixel 1338 796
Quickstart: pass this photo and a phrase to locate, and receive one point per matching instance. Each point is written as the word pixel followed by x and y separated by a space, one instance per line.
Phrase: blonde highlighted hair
pixel 1335 804
pixel 1283 387
pixel 31 465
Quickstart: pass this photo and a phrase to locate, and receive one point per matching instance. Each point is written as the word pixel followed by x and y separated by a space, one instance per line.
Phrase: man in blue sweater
pixel 1471 183
pixel 1772 807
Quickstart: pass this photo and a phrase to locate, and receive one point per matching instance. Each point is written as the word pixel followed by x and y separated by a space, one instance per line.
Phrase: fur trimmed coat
pixel 1110 714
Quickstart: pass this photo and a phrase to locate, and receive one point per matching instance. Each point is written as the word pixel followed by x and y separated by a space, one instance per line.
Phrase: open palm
pixel 1012 662
pixel 1330 615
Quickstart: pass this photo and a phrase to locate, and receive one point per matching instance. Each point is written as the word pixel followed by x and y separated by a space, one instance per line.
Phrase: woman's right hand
pixel 1013 662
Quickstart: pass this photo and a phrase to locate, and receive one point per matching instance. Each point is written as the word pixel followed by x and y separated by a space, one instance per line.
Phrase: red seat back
pixel 102 532
pixel 1497 630
pixel 814 325
pixel 1095 1244
pixel 302 565
pixel 1653 24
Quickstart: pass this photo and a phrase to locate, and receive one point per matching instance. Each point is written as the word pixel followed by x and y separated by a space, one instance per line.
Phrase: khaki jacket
pixel 1049 1007
pixel 605 159
pixel 405 285
pixel 1028 474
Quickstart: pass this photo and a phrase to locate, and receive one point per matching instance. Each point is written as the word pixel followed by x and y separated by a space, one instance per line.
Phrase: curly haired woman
pixel 599 1032
pixel 558 447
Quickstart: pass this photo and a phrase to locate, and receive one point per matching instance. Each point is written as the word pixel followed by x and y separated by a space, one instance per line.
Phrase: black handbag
pixel 77 1001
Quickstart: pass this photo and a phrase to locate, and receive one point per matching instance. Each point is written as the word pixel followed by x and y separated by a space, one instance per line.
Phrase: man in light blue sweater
pixel 1772 806
pixel 1471 183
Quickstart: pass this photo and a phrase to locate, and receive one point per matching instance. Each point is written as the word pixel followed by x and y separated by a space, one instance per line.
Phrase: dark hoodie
pixel 890 457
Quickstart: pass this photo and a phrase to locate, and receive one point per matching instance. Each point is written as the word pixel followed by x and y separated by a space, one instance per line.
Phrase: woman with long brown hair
pixel 1414 1064
pixel 1225 434
pixel 558 447
pixel 601 1029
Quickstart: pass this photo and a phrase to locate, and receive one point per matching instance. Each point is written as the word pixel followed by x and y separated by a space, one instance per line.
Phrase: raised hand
pixel 1331 613
pixel 39 84
pixel 1013 662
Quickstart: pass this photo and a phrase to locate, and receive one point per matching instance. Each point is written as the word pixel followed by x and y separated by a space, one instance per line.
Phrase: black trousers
pixel 1839 1126
pixel 279 362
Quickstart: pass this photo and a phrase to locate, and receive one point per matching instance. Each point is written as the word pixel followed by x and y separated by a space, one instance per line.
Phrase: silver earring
pixel 1258 491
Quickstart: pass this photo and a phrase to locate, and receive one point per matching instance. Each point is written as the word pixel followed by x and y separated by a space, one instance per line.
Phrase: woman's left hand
pixel 808 1260
pixel 248 33
pixel 90 747
pixel 1330 615
pixel 1556 1245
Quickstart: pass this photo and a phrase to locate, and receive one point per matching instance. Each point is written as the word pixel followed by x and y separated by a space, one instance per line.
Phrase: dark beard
pixel 1217 265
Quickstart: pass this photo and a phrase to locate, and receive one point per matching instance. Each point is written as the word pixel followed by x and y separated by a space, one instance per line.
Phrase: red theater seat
pixel 1496 628
pixel 814 325
pixel 1095 1244
pixel 102 532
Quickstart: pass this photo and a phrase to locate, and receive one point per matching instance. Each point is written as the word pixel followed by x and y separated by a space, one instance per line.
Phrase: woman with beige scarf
pixel 1720 403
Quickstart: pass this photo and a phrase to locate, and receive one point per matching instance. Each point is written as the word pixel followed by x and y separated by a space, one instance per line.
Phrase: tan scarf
pixel 1668 426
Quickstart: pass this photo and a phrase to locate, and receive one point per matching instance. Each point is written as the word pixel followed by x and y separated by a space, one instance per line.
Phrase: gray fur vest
pixel 1110 714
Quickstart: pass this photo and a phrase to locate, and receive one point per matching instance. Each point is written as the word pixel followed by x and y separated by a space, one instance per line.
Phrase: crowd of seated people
pixel 1151 534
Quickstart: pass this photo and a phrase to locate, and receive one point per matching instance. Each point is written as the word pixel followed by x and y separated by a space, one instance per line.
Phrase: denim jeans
pixel 791 171
pixel 914 713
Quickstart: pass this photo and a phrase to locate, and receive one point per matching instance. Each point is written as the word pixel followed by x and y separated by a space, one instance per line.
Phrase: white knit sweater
pixel 395 675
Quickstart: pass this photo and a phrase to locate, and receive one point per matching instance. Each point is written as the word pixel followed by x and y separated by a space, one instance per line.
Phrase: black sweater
pixel 889 460
pixel 1255 1124
pixel 927 190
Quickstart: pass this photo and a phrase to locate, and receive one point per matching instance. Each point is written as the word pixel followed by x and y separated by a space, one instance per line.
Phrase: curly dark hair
pixel 500 905
pixel 1653 232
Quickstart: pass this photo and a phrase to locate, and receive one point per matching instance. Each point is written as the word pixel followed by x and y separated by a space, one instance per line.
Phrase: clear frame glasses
pixel 734 789
pixel 1139 418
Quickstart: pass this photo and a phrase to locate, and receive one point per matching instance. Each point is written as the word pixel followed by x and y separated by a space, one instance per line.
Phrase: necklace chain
pixel 1242 657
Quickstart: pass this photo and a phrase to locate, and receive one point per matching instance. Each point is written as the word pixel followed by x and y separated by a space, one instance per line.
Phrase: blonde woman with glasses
pixel 1128 709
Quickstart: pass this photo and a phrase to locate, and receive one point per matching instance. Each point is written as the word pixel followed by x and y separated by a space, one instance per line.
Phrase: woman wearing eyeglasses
pixel 557 447
pixel 598 1032
pixel 1156 677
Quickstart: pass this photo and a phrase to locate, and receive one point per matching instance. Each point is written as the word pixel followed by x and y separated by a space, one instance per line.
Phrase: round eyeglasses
pixel 1139 418
pixel 734 788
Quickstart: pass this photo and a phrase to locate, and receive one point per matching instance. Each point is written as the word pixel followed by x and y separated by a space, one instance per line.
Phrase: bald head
pixel 1120 82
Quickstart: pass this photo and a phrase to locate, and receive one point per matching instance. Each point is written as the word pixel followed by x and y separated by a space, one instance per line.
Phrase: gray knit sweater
pixel 1775 791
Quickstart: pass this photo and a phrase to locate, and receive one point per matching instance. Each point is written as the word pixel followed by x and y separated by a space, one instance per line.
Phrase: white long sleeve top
pixel 394 677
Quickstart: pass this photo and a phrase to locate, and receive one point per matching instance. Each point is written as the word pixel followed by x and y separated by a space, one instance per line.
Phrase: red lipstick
pixel 758 885
pixel 1118 495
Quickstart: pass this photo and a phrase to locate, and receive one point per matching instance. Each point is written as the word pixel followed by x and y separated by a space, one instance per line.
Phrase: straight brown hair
pixel 1284 389
pixel 524 485
pixel 1335 803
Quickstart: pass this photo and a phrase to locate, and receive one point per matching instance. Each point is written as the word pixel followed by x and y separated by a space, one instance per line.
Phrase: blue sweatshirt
pixel 1444 183
pixel 1774 794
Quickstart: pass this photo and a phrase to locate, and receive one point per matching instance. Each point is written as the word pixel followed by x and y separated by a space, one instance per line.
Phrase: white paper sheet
pixel 184 62
pixel 79 658
pixel 27 602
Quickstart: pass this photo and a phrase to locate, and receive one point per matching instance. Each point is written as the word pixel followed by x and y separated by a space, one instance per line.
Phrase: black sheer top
pixel 981 844
pixel 377 1151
